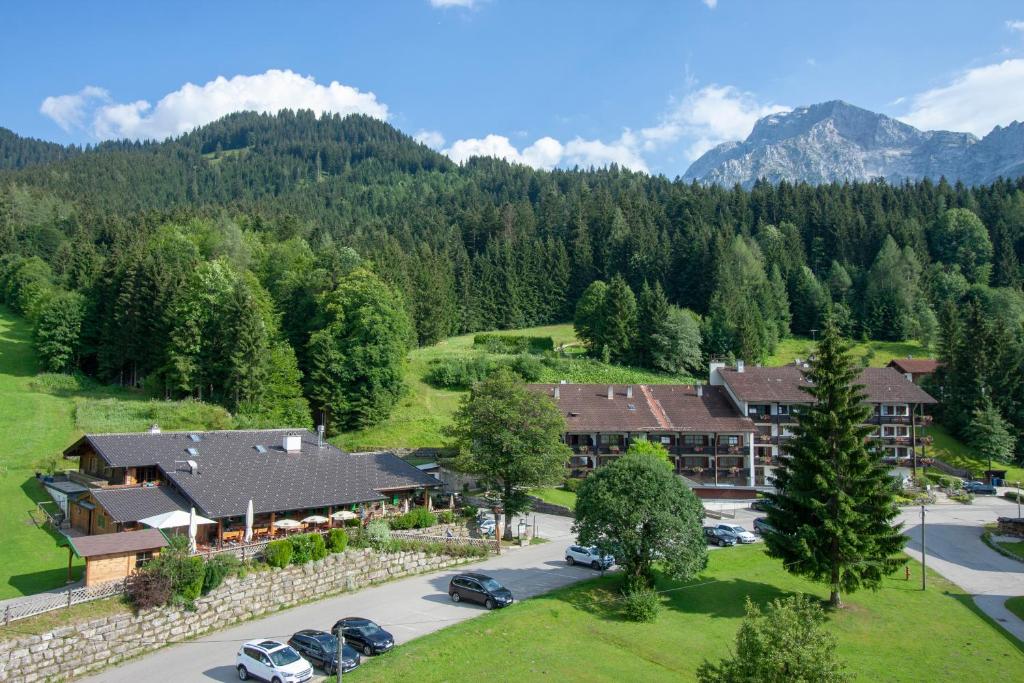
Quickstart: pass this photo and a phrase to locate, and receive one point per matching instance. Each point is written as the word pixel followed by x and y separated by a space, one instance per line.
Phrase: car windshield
pixel 369 629
pixel 284 656
pixel 328 643
pixel 491 584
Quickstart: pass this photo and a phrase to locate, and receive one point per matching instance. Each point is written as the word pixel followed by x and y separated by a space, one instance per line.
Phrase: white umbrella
pixel 314 519
pixel 287 524
pixel 192 529
pixel 405 505
pixel 248 523
pixel 344 515
pixel 451 501
pixel 175 518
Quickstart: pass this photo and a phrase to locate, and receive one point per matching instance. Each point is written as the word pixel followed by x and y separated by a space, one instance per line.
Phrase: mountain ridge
pixel 836 141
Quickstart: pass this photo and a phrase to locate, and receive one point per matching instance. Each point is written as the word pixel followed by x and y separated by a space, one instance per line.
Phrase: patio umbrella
pixel 173 519
pixel 405 505
pixel 248 523
pixel 192 529
pixel 344 515
pixel 287 524
pixel 314 519
pixel 451 501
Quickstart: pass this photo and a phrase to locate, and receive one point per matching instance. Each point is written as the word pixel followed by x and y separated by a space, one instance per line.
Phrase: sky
pixel 647 85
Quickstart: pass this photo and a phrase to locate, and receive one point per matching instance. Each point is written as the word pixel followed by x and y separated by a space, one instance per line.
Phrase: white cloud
pixel 1015 25
pixel 708 117
pixel 547 152
pixel 976 101
pixel 444 4
pixel 69 111
pixel 712 4
pixel 194 105
pixel 430 138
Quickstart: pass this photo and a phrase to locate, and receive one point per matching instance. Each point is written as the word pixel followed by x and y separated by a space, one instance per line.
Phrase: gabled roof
pixel 121 542
pixel 652 408
pixel 915 366
pixel 131 504
pixel 233 467
pixel 786 383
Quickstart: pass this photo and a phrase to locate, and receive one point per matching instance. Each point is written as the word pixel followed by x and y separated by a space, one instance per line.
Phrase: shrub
pixel 527 367
pixel 641 604
pixel 149 588
pixel 572 484
pixel 218 568
pixel 962 497
pixel 469 511
pixel 446 516
pixel 1012 495
pixel 377 532
pixel 307 547
pixel 278 553
pixel 458 373
pixel 400 522
pixel 421 518
pixel 193 573
pixel 337 540
pixel 514 343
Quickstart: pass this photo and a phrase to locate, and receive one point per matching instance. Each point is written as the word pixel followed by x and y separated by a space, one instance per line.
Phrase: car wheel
pixel 489 604
pixel 570 561
pixel 243 673
pixel 595 565
pixel 367 650
pixel 275 679
pixel 721 543
pixel 456 597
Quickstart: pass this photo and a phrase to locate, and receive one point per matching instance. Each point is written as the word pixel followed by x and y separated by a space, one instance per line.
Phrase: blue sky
pixel 647 84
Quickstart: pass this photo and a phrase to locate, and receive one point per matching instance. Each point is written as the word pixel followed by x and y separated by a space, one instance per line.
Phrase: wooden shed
pixel 111 557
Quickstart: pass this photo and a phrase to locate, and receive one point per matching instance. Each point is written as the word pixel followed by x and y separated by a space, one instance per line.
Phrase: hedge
pixel 514 343
pixel 278 553
pixel 307 547
pixel 337 540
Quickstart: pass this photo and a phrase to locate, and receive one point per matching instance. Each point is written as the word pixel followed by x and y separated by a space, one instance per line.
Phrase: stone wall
pixel 74 651
pixel 547 508
pixel 1011 526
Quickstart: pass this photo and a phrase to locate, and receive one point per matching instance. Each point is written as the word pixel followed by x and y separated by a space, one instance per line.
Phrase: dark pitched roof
pixel 122 542
pixel 236 466
pixel 784 384
pixel 915 366
pixel 652 408
pixel 135 503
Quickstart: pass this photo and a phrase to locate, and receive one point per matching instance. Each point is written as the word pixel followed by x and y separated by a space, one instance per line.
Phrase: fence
pixel 946 468
pixel 30 606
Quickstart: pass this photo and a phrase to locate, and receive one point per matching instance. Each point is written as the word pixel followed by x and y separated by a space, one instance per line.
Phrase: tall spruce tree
pixel 619 318
pixel 835 501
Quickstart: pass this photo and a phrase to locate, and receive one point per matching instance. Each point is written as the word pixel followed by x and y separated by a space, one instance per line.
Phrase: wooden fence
pixel 31 605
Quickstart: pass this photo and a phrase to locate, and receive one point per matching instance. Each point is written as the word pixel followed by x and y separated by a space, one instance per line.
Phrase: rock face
pixel 836 141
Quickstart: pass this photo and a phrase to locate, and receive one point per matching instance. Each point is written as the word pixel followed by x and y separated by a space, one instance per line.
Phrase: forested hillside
pixel 247 261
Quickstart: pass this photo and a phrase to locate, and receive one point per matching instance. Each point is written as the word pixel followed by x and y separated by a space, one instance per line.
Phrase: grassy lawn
pixel 947 448
pixel 876 353
pixel 1016 605
pixel 556 496
pixel 896 634
pixel 40 415
pixel 422 414
pixel 1014 547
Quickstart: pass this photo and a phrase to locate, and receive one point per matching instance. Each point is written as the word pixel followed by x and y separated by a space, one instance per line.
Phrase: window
pixel 693 439
pixel 666 440
pixel 142 559
pixel 730 440
pixel 101 521
pixel 252 653
pixel 894 409
pixel 783 409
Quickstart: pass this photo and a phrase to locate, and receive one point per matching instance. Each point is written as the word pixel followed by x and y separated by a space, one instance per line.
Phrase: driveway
pixel 408 608
pixel 955 550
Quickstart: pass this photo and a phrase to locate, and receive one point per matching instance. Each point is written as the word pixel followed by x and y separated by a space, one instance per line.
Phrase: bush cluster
pixel 218 568
pixel 377 532
pixel 417 518
pixel 307 548
pixel 395 545
pixel 463 372
pixel 337 540
pixel 572 484
pixel 514 343
pixel 641 604
pixel 278 553
pixel 446 516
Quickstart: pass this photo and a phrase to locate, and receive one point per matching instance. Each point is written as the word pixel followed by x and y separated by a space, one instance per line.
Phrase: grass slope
pixel 556 496
pixel 874 354
pixel 575 634
pixel 949 449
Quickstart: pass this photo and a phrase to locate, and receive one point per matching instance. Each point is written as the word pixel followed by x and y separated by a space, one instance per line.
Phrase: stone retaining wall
pixel 1011 526
pixel 547 508
pixel 74 651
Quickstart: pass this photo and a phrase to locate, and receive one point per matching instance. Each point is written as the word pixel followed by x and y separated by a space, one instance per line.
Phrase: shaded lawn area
pixel 949 449
pixel 1016 605
pixel 1014 547
pixel 896 634
pixel 556 496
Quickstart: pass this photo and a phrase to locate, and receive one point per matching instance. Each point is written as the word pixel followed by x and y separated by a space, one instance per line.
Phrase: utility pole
pixel 341 654
pixel 924 573
pixel 1018 499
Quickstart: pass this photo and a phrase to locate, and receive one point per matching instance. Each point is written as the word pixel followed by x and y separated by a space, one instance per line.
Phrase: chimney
pixel 292 443
pixel 700 391
pixel 740 366
pixel 564 381
pixel 558 394
pixel 154 428
pixel 320 429
pixel 611 392
pixel 629 391
pixel 713 377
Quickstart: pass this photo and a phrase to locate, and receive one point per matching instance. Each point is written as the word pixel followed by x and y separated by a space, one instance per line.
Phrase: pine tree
pixel 835 502
pixel 619 319
pixel 588 320
pixel 652 325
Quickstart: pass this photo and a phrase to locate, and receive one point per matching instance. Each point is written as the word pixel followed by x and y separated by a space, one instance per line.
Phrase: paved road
pixel 408 608
pixel 955 550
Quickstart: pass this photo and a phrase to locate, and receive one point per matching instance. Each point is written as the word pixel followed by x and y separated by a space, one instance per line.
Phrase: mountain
pixel 835 142
pixel 18 152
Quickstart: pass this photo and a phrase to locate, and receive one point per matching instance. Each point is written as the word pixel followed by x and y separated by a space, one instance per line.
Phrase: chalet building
pixel 285 473
pixel 708 439
pixel 915 369
pixel 773 397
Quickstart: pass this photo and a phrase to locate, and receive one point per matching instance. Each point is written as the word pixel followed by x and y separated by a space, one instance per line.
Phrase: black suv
pixel 321 649
pixel 479 588
pixel 364 635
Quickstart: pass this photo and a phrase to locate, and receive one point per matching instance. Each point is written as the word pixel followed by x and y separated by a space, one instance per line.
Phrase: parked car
pixel 486 526
pixel 270 660
pixel 321 648
pixel 592 557
pixel 364 635
pixel 761 525
pixel 979 487
pixel 479 588
pixel 719 537
pixel 741 534
pixel 761 505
